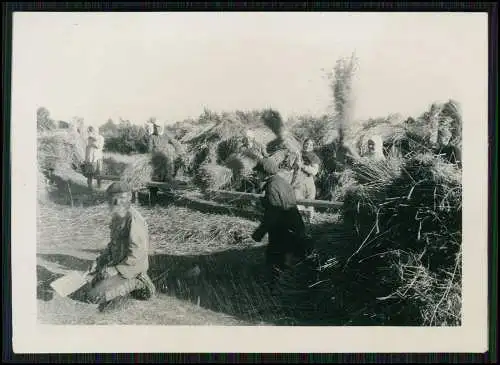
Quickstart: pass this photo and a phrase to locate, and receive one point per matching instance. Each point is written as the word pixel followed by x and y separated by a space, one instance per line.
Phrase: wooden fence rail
pixel 232 194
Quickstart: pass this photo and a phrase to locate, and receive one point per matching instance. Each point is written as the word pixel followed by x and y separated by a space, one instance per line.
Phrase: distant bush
pixel 125 138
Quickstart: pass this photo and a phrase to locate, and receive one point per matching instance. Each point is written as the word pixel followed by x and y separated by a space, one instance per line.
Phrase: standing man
pixel 306 167
pixel 282 220
pixel 121 269
pixel 94 156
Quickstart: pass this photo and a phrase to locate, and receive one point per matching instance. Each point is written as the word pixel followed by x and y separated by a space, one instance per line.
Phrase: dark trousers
pixel 283 243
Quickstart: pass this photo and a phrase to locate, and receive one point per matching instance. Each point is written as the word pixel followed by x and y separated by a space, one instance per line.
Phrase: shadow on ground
pixel 44 278
pixel 70 193
pixel 232 282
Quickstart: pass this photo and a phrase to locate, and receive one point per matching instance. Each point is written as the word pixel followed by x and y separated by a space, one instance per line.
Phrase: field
pixel 389 255
pixel 185 233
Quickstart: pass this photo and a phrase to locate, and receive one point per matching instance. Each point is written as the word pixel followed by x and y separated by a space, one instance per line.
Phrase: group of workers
pixel 121 269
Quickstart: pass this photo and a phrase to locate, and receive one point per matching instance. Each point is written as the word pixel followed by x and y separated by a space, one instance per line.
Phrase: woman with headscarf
pixel 446 148
pixel 374 147
pixel 94 156
pixel 306 167
pixel 155 132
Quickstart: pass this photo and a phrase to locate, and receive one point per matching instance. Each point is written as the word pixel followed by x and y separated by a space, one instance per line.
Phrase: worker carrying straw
pixel 154 131
pixel 281 221
pixel 306 167
pixel 94 156
pixel 121 269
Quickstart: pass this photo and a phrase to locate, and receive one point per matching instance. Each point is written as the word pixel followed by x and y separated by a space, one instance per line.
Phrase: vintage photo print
pixel 249 182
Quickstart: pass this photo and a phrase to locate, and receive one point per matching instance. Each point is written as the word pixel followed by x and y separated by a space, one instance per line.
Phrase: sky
pixel 173 65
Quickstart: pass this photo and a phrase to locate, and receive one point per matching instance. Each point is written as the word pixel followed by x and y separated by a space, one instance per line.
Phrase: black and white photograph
pixel 250 171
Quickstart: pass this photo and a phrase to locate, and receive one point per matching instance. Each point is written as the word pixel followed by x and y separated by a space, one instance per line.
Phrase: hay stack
pixel 408 229
pixel 213 176
pixel 204 147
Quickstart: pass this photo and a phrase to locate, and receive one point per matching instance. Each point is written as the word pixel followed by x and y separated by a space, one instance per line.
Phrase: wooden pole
pixel 241 196
pixel 253 197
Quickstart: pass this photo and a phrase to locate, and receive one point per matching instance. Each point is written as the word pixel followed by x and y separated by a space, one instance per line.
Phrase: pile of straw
pixel 61 148
pixel 213 176
pixel 404 224
pixel 186 231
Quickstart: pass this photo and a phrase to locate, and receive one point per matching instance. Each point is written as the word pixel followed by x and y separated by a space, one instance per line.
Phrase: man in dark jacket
pixel 281 221
pixel 121 269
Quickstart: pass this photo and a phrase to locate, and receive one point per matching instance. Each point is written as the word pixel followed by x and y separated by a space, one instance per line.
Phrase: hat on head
pixel 267 165
pixel 118 187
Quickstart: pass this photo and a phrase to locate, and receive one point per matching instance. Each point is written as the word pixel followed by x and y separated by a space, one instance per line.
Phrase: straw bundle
pixel 273 120
pixel 200 154
pixel 228 147
pixel 112 166
pixel 213 176
pixel 241 165
pixel 163 166
pixel 137 174
pixel 223 130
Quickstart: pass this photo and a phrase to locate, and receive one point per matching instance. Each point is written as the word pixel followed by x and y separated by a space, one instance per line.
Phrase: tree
pixel 109 129
pixel 128 138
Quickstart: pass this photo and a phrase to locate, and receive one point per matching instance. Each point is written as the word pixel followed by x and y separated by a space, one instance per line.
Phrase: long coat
pixel 281 221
